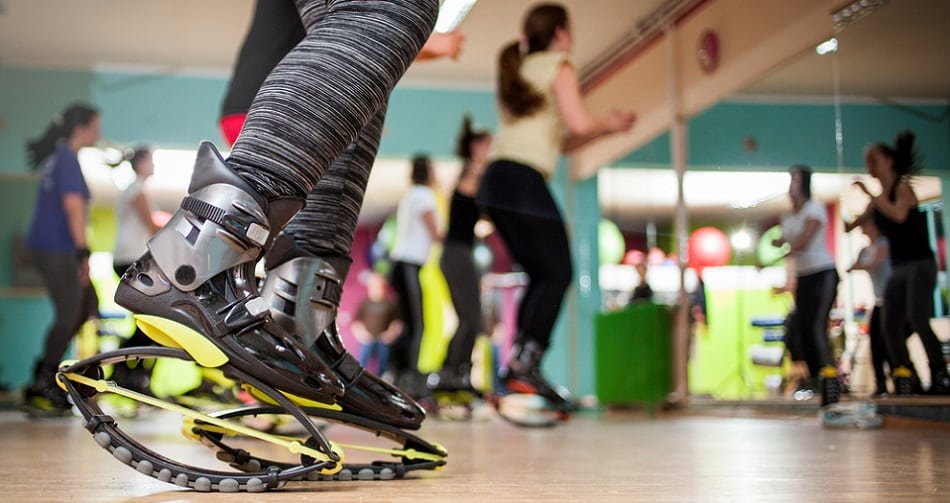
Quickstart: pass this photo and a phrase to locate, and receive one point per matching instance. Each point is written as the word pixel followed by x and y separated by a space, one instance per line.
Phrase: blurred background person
pixel 376 324
pixel 57 239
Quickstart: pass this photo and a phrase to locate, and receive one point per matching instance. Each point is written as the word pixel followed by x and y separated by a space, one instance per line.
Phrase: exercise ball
pixel 767 253
pixel 708 247
pixel 610 242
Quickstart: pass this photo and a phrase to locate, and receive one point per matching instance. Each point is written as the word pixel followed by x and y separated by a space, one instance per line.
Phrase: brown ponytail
pixel 61 127
pixel 468 135
pixel 540 25
pixel 518 96
pixel 906 158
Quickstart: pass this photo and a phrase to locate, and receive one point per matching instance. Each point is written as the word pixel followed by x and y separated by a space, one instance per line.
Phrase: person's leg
pixel 60 273
pixel 342 73
pixel 896 322
pixel 920 287
pixel 826 289
pixel 458 267
pixel 275 30
pixel 404 351
pixel 310 108
pixel 807 308
pixel 382 357
pixel 539 244
pixel 367 352
pixel 799 375
pixel 878 350
pixel 895 318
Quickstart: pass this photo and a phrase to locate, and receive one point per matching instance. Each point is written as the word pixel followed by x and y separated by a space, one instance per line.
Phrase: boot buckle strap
pixel 248 312
pixel 238 224
pixel 327 292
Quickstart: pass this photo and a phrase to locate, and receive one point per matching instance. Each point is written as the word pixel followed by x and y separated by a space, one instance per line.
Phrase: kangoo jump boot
pixel 522 374
pixel 303 293
pixel 195 287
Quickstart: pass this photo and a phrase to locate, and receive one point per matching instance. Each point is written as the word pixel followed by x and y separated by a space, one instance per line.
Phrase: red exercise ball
pixel 708 247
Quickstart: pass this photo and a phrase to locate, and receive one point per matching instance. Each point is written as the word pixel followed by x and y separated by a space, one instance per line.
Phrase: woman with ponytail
pixel 133 211
pixel 458 264
pixel 543 115
pixel 908 297
pixel 58 243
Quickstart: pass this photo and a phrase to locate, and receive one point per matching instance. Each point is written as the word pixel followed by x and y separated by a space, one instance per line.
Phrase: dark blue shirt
pixel 49 227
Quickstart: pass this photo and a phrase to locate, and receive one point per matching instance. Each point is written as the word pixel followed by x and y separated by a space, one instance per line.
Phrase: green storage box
pixel 633 356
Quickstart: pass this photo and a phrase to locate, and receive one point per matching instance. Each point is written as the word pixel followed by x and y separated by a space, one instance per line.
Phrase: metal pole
pixel 680 329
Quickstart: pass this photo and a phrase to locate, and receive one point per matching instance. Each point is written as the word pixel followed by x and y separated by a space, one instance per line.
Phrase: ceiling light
pixel 830 45
pixel 452 13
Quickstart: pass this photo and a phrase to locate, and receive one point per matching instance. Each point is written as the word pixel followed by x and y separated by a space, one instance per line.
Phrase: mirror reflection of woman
pixel 816 279
pixel 908 297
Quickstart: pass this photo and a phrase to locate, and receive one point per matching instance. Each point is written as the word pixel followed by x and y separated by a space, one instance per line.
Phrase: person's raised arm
pixel 441 45
pixel 582 127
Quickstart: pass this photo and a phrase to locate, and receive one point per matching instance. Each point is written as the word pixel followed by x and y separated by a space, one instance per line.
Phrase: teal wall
pixel 789 134
pixel 179 111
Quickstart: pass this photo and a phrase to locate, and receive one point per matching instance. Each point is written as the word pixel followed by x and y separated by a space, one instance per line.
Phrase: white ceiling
pixel 901 51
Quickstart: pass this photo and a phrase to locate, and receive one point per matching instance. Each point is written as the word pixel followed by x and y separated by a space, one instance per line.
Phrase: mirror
pixel 815 110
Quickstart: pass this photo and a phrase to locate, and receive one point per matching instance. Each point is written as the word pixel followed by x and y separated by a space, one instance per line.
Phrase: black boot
pixel 452 379
pixel 303 293
pixel 939 382
pixel 199 273
pixel 44 398
pixel 906 381
pixel 522 374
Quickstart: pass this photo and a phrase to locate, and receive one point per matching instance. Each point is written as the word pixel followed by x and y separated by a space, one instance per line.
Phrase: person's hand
pixel 84 271
pixel 620 122
pixel 448 45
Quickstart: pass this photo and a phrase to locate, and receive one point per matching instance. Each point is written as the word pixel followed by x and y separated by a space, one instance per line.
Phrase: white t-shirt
pixel 131 233
pixel 815 257
pixel 413 241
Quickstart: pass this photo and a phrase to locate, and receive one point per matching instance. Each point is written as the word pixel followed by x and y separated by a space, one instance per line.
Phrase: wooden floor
pixel 699 453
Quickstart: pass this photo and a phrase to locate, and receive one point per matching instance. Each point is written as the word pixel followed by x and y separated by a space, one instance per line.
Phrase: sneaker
pixel 49 403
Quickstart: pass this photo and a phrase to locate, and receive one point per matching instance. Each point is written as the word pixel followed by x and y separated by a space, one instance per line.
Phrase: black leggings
pixel 404 352
pixel 73 304
pixel 814 297
pixel 908 302
pixel 518 201
pixel 313 128
pixel 458 267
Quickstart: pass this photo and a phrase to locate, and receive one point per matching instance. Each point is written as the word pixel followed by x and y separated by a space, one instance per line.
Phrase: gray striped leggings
pixel 313 129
